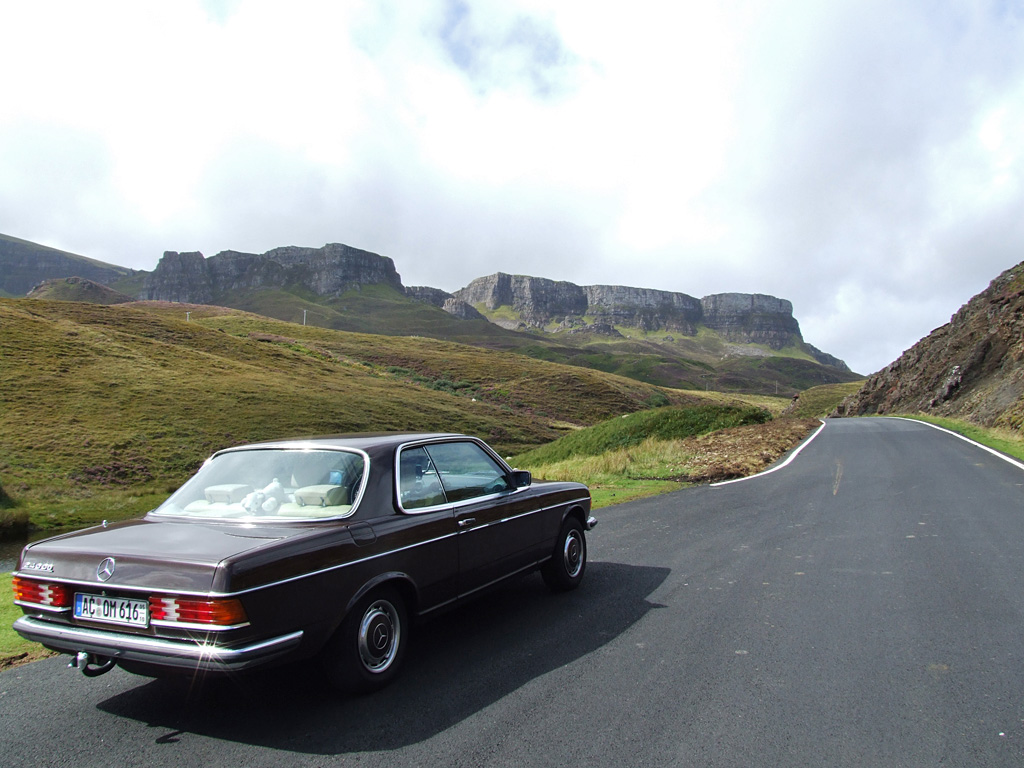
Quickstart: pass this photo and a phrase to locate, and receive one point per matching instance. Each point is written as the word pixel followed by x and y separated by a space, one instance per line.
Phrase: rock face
pixel 737 317
pixel 536 300
pixel 432 296
pixel 752 318
pixel 643 308
pixel 183 277
pixel 327 271
pixel 970 368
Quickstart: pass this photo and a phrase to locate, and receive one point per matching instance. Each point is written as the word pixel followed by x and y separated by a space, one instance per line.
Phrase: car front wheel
pixel 367 650
pixel 564 571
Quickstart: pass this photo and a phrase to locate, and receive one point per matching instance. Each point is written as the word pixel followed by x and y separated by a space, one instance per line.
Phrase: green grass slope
pixel 670 423
pixel 377 309
pixel 819 402
pixel 103 409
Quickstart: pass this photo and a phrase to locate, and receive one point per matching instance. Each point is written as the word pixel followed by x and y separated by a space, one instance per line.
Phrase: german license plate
pixel 113 610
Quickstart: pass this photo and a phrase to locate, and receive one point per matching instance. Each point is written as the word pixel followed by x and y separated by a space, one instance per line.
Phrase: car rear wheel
pixel 564 571
pixel 366 651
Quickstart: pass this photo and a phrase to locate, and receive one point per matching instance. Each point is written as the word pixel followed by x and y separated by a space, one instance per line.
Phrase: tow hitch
pixel 92 665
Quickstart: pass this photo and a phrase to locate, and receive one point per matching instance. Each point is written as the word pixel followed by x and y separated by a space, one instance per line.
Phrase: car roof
pixel 359 441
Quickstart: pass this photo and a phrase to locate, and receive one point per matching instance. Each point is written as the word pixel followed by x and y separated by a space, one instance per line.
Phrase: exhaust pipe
pixel 92 665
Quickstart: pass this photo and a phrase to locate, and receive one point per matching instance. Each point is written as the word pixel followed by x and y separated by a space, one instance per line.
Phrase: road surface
pixel 863 606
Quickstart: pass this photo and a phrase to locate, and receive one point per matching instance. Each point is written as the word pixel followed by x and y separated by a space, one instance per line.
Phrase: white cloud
pixel 862 159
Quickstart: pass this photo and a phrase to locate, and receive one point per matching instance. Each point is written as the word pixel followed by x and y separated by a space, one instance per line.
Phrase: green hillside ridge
pixel 377 309
pixel 24 264
pixel 77 289
pixel 10 242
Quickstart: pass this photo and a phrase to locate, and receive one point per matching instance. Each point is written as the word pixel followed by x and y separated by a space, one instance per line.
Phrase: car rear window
pixel 290 484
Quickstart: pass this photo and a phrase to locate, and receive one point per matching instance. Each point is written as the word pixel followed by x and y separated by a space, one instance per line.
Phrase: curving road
pixel 863 606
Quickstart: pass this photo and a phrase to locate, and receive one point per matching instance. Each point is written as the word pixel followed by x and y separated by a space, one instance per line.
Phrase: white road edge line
pixel 784 464
pixel 993 451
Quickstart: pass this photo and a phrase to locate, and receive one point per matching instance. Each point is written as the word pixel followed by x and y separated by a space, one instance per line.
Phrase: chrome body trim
pixel 199 627
pixel 159 591
pixel 41 607
pixel 195 655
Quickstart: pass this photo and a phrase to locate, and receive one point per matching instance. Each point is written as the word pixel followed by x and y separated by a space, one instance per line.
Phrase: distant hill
pixel 728 342
pixel 77 289
pixel 23 265
pixel 971 368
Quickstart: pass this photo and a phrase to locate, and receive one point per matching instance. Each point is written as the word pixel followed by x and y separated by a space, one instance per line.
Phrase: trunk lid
pixel 162 555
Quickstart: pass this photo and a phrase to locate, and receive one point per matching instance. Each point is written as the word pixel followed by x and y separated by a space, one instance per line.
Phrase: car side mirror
pixel 521 478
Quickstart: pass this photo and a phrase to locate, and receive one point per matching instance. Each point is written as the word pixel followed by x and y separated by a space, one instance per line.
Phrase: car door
pixel 498 528
pixel 427 517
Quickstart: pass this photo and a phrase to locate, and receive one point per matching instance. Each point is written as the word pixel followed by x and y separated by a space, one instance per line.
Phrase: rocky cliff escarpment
pixel 737 317
pixel 751 318
pixel 643 308
pixel 327 271
pixel 536 301
pixel 970 368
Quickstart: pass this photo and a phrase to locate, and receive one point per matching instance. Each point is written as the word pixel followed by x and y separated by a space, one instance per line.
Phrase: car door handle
pixel 466 521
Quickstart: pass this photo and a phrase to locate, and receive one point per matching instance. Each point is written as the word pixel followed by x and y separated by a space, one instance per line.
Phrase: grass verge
pixel 1003 440
pixel 656 465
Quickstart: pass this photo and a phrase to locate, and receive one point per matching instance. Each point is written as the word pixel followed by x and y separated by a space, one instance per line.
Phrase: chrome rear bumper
pixel 196 655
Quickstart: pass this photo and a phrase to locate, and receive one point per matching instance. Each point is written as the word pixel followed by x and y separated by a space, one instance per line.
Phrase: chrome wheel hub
pixel 380 633
pixel 572 553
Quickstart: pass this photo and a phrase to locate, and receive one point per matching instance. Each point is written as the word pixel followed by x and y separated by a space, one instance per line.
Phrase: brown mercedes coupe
pixel 282 551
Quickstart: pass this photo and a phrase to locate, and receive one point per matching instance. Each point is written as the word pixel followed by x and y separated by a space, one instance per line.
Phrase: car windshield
pixel 265 483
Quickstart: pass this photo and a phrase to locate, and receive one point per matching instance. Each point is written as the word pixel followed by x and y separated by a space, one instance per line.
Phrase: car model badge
pixel 105 569
pixel 33 566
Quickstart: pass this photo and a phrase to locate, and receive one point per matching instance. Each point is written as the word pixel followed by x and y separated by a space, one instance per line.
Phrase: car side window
pixel 467 471
pixel 418 484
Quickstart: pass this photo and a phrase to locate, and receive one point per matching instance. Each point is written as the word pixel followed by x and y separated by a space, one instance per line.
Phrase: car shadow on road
pixel 457 665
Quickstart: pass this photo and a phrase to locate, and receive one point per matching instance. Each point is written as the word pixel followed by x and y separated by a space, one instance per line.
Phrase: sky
pixel 862 158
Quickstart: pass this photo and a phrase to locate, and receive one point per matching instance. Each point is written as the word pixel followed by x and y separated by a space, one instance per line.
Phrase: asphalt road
pixel 860 607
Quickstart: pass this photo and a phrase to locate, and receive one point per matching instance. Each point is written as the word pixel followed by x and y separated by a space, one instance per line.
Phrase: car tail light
pixel 41 593
pixel 222 612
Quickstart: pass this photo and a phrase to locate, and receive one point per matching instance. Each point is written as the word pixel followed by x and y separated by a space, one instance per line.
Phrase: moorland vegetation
pixel 108 408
